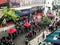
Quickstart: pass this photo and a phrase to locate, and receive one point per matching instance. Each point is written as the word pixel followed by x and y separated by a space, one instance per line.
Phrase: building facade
pixel 3 1
pixel 21 3
pixel 48 5
pixel 56 2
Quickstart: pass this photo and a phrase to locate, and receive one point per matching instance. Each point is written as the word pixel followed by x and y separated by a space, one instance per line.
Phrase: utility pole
pixel 8 2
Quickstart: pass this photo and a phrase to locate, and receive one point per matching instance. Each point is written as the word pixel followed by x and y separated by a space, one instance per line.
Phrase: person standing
pixel 18 28
pixel 34 32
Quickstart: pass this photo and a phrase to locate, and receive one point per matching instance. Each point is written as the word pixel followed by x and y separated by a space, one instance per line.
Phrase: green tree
pixel 10 13
pixel 45 22
pixel 58 13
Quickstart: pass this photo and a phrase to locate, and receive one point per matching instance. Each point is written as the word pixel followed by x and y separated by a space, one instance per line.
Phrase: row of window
pixel 17 3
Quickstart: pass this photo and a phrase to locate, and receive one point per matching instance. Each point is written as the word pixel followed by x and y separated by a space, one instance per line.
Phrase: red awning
pixel 37 20
pixel 27 24
pixel 11 30
pixel 51 15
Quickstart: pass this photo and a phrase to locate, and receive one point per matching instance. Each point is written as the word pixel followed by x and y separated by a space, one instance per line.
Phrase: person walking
pixel 26 42
pixel 18 28
pixel 43 36
pixel 30 34
pixel 34 32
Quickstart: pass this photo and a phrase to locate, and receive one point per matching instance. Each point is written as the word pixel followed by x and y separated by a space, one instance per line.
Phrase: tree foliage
pixel 58 13
pixel 10 13
pixel 45 22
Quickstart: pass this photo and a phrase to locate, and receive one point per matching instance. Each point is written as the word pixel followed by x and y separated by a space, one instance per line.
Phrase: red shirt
pixel 56 23
pixel 29 32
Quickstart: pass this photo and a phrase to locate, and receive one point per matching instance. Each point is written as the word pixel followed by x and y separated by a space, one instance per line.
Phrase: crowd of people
pixel 54 25
pixel 6 41
pixel 30 31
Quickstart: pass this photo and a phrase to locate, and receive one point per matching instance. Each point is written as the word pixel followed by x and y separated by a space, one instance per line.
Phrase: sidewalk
pixel 20 40
pixel 39 38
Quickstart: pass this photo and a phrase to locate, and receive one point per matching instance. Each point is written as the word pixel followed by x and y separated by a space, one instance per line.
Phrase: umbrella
pixel 53 37
pixel 51 15
pixel 25 12
pixel 27 24
pixel 28 11
pixel 57 32
pixel 19 13
pixel 36 15
pixel 37 20
pixel 11 30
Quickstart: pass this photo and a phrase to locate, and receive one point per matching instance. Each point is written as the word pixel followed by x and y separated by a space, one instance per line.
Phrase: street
pixel 20 40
